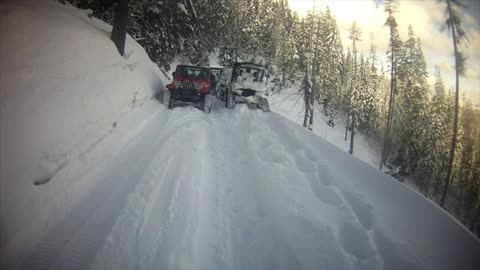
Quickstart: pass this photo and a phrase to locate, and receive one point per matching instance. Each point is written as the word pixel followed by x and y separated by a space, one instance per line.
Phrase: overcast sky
pixel 426 17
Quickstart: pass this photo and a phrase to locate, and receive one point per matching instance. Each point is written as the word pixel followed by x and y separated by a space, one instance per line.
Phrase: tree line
pixel 428 135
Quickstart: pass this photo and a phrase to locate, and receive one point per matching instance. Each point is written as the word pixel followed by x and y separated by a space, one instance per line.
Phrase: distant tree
pixel 454 24
pixel 284 43
pixel 329 64
pixel 413 101
pixel 303 41
pixel 312 87
pixel 467 189
pixel 355 35
pixel 431 167
pixel 120 24
pixel 390 7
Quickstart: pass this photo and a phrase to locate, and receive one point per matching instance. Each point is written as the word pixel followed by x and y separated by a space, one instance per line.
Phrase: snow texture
pixel 290 104
pixel 181 189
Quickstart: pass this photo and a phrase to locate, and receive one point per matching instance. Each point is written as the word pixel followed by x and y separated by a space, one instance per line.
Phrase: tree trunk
pixel 346 125
pixel 236 30
pixel 455 117
pixel 307 99
pixel 312 106
pixel 352 133
pixel 120 23
pixel 474 222
pixel 390 104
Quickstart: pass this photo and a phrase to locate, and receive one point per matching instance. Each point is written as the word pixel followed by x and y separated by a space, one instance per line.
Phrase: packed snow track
pixel 243 189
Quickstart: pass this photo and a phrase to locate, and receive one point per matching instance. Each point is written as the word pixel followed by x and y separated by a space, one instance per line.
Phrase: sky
pixel 426 17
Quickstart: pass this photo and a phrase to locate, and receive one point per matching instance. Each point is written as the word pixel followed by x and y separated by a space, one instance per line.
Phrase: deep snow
pixel 290 104
pixel 181 189
pixel 243 189
pixel 63 89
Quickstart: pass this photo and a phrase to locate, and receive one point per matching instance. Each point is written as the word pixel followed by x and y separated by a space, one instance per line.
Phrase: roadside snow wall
pixel 63 87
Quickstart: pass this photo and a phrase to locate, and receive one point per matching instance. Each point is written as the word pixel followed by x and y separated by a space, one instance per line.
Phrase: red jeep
pixel 191 85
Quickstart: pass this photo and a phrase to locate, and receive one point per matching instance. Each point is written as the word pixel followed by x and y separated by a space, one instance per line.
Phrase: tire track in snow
pixel 253 227
pixel 247 233
pixel 353 235
pixel 157 203
pixel 73 242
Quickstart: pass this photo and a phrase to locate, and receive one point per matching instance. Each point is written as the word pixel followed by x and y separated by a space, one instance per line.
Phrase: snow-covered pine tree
pixel 375 92
pixel 430 166
pixel 284 43
pixel 303 41
pixel 228 41
pixel 355 35
pixel 345 77
pixel 454 24
pixel 368 83
pixel 394 60
pixel 413 100
pixel 210 27
pixel 474 215
pixel 330 61
pixel 267 20
pixel 381 99
pixel 464 190
pixel 315 64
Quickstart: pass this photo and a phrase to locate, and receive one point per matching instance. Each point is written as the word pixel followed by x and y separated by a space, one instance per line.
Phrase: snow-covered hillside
pixel 133 185
pixel 289 103
pixel 63 88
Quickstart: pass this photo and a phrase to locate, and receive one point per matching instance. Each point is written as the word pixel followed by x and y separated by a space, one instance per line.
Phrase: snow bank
pixel 290 104
pixel 63 88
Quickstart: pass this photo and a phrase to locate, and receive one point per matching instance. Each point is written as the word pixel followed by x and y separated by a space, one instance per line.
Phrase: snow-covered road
pixel 246 190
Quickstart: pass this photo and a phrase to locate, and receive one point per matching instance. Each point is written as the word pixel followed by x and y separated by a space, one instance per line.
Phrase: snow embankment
pixel 63 89
pixel 290 104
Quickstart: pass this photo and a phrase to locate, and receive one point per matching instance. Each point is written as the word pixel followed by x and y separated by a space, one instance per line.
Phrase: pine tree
pixel 465 181
pixel 355 35
pixel 394 51
pixel 431 169
pixel 329 64
pixel 311 27
pixel 453 23
pixel 381 99
pixel 368 84
pixel 413 100
pixel 285 54
pixel 303 41
pixel 475 188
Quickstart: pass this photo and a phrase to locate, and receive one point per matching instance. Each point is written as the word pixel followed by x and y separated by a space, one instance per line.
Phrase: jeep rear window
pixel 191 71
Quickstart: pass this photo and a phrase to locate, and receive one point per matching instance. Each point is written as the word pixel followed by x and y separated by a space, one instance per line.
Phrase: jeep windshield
pixel 192 71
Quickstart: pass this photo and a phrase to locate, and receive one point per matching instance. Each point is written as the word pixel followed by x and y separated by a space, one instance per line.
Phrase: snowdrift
pixel 63 87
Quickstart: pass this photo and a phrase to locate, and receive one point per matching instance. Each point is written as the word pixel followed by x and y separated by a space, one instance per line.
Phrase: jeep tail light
pixel 204 88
